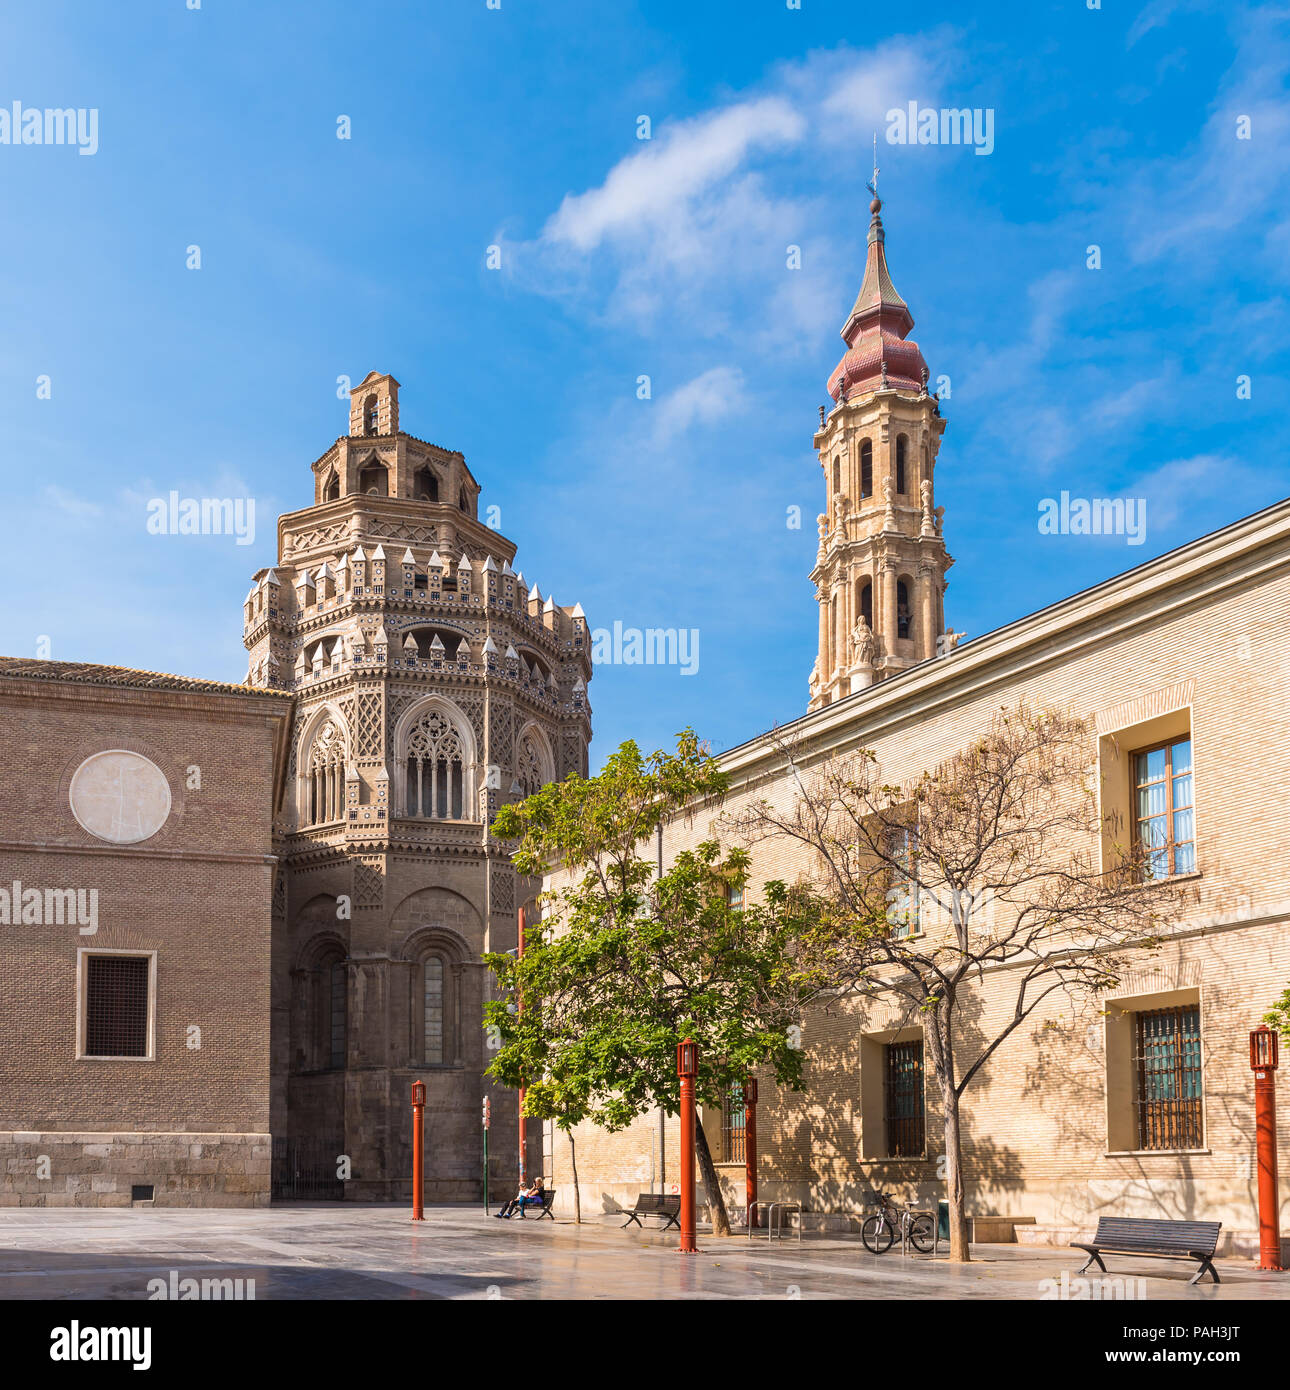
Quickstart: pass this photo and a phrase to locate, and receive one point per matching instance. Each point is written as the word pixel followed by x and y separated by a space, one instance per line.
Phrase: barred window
pixel 734 1126
pixel 903 1100
pixel 116 1006
pixel 1168 1078
pixel 1164 811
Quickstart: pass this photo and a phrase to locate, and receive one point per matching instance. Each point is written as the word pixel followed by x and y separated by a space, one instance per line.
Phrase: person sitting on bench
pixel 526 1196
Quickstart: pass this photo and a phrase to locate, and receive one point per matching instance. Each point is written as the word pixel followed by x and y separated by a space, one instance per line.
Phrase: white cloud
pixel 646 188
pixel 705 400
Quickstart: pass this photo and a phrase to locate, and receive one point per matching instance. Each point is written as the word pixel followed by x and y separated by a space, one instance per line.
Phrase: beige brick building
pixel 1140 1103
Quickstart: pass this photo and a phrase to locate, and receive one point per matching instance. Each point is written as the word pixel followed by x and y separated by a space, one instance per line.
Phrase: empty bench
pixel 548 1196
pixel 655 1204
pixel 1163 1240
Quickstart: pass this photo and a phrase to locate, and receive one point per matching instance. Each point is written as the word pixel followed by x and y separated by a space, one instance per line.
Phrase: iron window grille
pixel 904 1111
pixel 734 1127
pixel 1167 1065
pixel 116 1006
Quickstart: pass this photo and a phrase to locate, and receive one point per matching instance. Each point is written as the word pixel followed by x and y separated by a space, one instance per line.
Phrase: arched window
pixel 425 486
pixel 528 771
pixel 866 468
pixel 325 793
pixel 374 480
pixel 902 608
pixel 331 489
pixel 463 502
pixel 371 415
pixel 435 1018
pixel 901 444
pixel 436 769
pixel 866 601
pixel 837 475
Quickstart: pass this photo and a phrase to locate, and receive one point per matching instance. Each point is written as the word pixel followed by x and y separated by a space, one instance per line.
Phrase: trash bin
pixel 943 1218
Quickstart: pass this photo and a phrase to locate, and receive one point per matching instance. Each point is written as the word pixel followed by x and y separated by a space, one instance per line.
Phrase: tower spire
pixel 877 328
pixel 880 568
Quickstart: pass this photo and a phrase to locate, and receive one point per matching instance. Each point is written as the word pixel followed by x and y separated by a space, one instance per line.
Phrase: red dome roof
pixel 875 330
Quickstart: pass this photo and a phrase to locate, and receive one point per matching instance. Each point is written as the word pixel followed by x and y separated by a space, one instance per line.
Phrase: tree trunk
pixel 960 1247
pixel 711 1183
pixel 577 1196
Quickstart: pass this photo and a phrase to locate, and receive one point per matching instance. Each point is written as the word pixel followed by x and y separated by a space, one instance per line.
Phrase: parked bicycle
pixel 891 1219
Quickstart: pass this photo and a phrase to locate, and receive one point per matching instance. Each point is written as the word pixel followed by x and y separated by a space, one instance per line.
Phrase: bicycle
pixel 880 1230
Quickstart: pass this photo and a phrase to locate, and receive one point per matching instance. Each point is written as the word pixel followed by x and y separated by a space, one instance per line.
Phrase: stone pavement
pixel 352 1251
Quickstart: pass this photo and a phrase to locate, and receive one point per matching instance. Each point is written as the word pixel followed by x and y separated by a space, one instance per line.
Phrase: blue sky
pixel 517 127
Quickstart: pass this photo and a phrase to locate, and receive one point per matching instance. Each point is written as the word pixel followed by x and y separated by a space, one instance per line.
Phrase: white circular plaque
pixel 120 796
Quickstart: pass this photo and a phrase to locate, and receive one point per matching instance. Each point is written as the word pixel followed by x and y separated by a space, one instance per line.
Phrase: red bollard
pixel 687 1067
pixel 418 1149
pixel 750 1148
pixel 1263 1060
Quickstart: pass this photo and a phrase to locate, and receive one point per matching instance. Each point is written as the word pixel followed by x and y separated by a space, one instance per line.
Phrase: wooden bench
pixel 1164 1240
pixel 548 1196
pixel 655 1204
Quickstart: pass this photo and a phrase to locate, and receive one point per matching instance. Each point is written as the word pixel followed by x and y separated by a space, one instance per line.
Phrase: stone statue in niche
pixel 862 644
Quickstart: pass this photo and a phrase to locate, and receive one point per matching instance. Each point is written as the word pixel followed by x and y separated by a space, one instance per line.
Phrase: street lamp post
pixel 418 1149
pixel 750 1148
pixel 1263 1062
pixel 687 1067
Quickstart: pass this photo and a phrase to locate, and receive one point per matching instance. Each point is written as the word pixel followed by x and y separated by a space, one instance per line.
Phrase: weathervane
pixel 873 187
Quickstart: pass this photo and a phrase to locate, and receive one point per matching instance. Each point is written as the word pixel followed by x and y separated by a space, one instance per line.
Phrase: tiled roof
pixel 85 673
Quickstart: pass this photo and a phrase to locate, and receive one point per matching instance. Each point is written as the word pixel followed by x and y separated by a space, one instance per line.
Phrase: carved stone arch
pixel 320 993
pixel 534 758
pixel 315 727
pixel 431 721
pixel 421 939
pixel 438 954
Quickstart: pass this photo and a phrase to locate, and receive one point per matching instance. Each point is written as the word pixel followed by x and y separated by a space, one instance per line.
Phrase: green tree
pixel 627 962
pixel 1278 1016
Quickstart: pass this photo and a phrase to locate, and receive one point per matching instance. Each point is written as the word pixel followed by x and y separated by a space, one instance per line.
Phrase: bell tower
pixel 880 570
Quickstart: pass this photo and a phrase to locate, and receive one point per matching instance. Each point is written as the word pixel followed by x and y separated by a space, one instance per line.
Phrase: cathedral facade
pixel 432 684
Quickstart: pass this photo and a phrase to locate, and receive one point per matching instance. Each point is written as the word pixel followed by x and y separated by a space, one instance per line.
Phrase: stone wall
pixel 96 1169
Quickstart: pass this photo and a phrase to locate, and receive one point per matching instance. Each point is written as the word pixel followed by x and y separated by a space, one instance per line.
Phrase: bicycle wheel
pixel 922 1234
pixel 877 1235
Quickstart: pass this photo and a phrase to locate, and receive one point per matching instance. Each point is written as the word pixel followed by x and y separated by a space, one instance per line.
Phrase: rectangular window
pixel 1164 808
pixel 1168 1078
pixel 734 1128
pixel 734 896
pixel 116 1006
pixel 903 1100
pixel 902 896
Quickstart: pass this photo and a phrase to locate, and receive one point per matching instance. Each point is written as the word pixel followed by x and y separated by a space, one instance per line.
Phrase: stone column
pixel 822 598
pixel 887 568
pixel 927 595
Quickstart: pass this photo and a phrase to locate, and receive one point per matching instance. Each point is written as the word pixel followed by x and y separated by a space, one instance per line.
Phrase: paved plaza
pixel 334 1251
